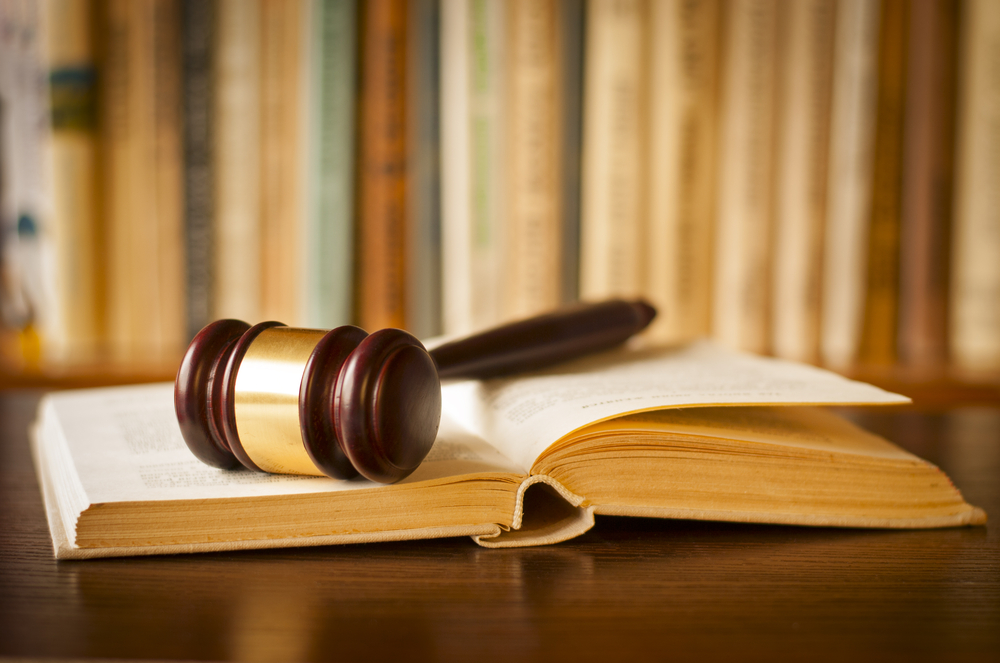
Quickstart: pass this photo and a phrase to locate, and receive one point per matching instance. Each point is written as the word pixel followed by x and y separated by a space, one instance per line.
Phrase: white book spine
pixel 455 168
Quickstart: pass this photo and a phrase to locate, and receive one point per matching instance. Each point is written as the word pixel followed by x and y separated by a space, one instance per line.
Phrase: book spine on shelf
pixel 197 39
pixel 456 163
pixel 615 138
pixel 532 224
pixel 571 37
pixel 487 144
pixel 928 168
pixel 472 142
pixel 140 104
pixel 852 139
pixel 168 168
pixel 329 232
pixel 282 159
pixel 74 331
pixel 878 335
pixel 683 86
pixel 975 287
pixel 423 261
pixel 743 257
pixel 803 132
pixel 382 166
pixel 237 160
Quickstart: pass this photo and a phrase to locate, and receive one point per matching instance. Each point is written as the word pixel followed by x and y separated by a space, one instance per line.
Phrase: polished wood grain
pixel 630 590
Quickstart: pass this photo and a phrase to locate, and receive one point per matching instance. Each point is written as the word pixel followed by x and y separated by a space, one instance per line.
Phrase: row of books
pixel 813 179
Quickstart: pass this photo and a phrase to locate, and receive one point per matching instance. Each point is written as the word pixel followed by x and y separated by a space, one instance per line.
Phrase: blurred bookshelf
pixel 811 180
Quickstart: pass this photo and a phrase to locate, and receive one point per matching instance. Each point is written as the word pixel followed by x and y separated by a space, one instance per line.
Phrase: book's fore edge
pixel 548 531
pixel 61 547
pixel 970 516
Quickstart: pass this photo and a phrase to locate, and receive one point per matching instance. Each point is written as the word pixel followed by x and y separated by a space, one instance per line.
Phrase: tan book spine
pixel 381 233
pixel 878 338
pixel 683 87
pixel 806 69
pixel 237 234
pixel 533 223
pixel 975 287
pixel 75 330
pixel 168 169
pixel 742 285
pixel 852 136
pixel 141 139
pixel 613 223
pixel 281 159
pixel 928 167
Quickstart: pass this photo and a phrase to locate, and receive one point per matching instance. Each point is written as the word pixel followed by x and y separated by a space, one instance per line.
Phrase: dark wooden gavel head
pixel 344 402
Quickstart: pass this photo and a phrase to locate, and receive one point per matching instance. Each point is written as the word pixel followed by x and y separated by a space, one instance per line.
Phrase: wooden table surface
pixel 631 589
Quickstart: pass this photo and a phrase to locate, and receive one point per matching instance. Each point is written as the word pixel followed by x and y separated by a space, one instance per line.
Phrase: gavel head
pixel 302 401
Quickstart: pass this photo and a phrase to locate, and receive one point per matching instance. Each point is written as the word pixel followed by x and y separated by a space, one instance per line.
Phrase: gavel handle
pixel 544 340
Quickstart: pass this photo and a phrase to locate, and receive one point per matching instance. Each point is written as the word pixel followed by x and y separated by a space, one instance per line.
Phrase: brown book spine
pixel 168 166
pixel 382 169
pixel 928 165
pixel 878 341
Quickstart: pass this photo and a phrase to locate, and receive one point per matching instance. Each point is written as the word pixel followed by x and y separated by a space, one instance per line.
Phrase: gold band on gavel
pixel 266 399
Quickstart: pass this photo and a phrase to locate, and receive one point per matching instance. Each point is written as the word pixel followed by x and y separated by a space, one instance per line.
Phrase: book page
pixel 805 428
pixel 126 445
pixel 522 416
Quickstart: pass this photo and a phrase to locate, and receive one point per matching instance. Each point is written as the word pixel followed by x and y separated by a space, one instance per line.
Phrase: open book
pixel 519 461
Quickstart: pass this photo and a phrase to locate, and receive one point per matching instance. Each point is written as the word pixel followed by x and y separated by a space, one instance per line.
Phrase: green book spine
pixel 330 235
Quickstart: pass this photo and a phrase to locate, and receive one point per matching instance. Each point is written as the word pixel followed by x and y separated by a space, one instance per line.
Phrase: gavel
pixel 344 402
